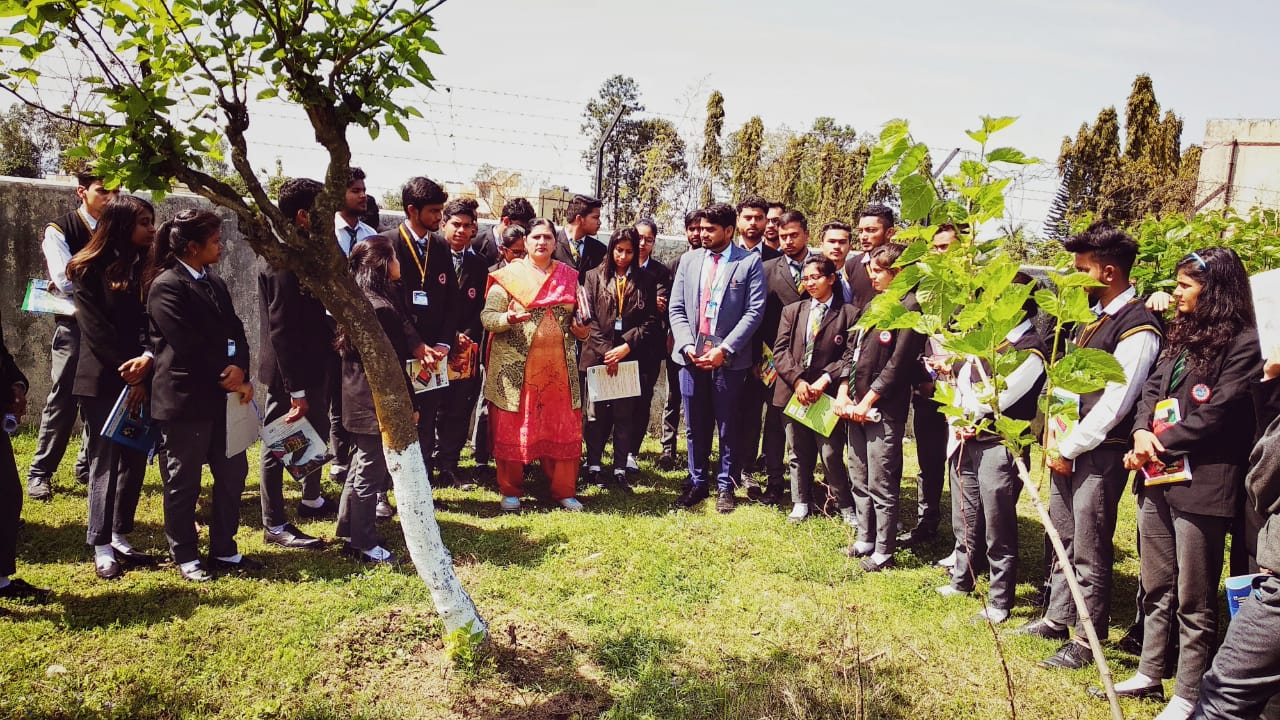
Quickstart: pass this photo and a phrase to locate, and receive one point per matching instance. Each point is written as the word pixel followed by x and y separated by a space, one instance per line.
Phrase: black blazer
pixel 1217 427
pixel 486 244
pixel 656 345
pixel 828 348
pixel 889 364
pixel 296 335
pixel 10 374
pixel 113 330
pixel 472 282
pixel 190 324
pixel 863 290
pixel 780 291
pixel 358 413
pixel 639 316
pixel 437 321
pixel 593 251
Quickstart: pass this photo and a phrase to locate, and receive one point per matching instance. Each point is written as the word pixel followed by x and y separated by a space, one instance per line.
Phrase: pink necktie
pixel 704 324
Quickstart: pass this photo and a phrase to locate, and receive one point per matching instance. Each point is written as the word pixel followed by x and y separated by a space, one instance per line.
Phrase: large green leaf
pixel 883 158
pixel 1085 370
pixel 1010 155
pixel 917 197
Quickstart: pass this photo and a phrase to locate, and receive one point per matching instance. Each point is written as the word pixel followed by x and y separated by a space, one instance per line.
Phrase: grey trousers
pixel 1182 557
pixel 1082 506
pixel 59 415
pixel 875 473
pixel 271 483
pixel 985 519
pixel 671 411
pixel 367 478
pixel 1246 671
pixel 115 477
pixel 931 430
pixel 806 447
pixel 192 444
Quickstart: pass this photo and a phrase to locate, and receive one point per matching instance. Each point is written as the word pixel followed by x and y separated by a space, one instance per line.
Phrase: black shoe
pixel 1151 692
pixel 38 488
pixel 1042 629
pixel 446 478
pixel 196 574
pixel 754 493
pixel 772 496
pixel 110 571
pixel 1131 643
pixel 725 502
pixel 135 558
pixel 356 553
pixel 621 484
pixel 869 565
pixel 1071 656
pixel 291 537
pixel 693 495
pixel 668 461
pixel 328 509
pixel 595 478
pixel 917 536
pixel 226 566
pixel 19 589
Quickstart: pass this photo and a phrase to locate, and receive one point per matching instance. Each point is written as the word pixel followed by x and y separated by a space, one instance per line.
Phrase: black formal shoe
pixel 869 565
pixel 19 589
pixel 328 509
pixel 668 461
pixel 1071 656
pixel 446 478
pixel 917 536
pixel 595 478
pixel 39 489
pixel 621 484
pixel 692 495
pixel 195 574
pixel 226 566
pixel 725 502
pixel 1150 692
pixel 135 558
pixel 1131 643
pixel 291 537
pixel 1042 629
pixel 755 493
pixel 110 571
pixel 772 496
pixel 356 553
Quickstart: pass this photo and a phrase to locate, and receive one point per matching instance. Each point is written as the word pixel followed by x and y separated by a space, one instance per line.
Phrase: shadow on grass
pixel 496 546
pixel 65 543
pixel 155 603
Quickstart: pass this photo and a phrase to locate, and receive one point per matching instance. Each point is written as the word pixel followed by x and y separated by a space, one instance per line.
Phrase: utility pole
pixel 604 140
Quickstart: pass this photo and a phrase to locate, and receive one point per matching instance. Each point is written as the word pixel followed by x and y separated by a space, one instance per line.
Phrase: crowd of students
pixel 749 319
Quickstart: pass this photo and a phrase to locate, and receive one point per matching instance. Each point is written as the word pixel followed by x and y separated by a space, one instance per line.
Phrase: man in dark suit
pixel 752 221
pixel 834 241
pixel 651 355
pixel 671 411
pixel 773 225
pixel 487 242
pixel 453 419
pixel 576 244
pixel 431 291
pixel 13 401
pixel 717 303
pixel 875 228
pixel 296 339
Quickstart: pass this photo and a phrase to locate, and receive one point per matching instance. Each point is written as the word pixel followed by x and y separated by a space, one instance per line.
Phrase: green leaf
pixel 268 93
pixel 893 131
pixel 1010 155
pixel 882 160
pixel 913 253
pixel 910 161
pixel 992 125
pixel 1085 370
pixel 1012 430
pixel 917 197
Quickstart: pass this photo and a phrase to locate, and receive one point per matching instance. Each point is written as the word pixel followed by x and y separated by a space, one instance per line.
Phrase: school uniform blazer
pixel 741 308
pixel 1217 427
pixel 656 345
pixel 437 321
pixel 113 330
pixel 639 315
pixel 190 323
pixel 486 244
pixel 296 335
pixel 889 364
pixel 358 413
pixel 593 252
pixel 828 347
pixel 859 281
pixel 472 282
pixel 780 291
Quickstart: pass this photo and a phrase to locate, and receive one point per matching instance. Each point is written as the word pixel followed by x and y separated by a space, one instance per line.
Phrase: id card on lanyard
pixel 717 290
pixel 421 262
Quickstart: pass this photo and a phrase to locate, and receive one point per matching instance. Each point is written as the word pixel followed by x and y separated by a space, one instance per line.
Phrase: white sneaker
pixel 510 504
pixel 379 554
pixel 950 591
pixel 948 561
pixel 571 504
pixel 799 512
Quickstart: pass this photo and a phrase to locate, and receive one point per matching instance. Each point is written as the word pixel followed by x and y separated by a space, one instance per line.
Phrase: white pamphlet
pixel 243 424
pixel 602 387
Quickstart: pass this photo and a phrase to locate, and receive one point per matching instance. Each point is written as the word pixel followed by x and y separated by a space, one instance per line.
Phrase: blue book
pixel 129 428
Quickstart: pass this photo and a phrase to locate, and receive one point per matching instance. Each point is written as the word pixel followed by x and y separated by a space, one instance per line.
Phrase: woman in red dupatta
pixel 535 404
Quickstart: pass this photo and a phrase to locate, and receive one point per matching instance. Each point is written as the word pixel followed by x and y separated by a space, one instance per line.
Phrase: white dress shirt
pixel 340 228
pixel 57 253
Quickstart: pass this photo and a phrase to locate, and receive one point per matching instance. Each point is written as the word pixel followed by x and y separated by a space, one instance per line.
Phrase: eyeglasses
pixel 1199 261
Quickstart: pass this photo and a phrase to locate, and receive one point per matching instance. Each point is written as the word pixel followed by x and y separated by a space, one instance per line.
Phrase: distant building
pixel 1240 167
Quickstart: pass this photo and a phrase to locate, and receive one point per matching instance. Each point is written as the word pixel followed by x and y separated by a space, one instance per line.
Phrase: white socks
pixel 379 553
pixel 799 510
pixel 277 529
pixel 103 555
pixel 1137 682
pixel 231 558
pixel 121 543
pixel 862 548
pixel 318 502
pixel 1179 708
pixel 189 566
pixel 879 558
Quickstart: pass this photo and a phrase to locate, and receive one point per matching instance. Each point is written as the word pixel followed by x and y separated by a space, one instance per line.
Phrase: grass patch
pixel 626 611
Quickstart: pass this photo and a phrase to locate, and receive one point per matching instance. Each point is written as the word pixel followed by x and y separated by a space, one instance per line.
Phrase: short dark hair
pixel 512 234
pixel 825 265
pixel 887 254
pixel 420 192
pixel 876 210
pixel 1108 245
pixel 691 218
pixel 298 194
pixel 372 213
pixel 836 225
pixel 720 214
pixel 84 180
pixel 518 210
pixel 581 206
pixel 354 175
pixel 776 204
pixel 754 201
pixel 646 222
pixel 794 216
pixel 461 206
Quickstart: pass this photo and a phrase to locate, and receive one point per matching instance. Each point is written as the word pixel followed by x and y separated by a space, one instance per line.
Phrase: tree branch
pixel 51 113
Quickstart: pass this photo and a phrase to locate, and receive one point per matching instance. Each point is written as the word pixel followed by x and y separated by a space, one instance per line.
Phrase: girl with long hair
pixel 376 271
pixel 113 356
pixel 1196 409
pixel 201 355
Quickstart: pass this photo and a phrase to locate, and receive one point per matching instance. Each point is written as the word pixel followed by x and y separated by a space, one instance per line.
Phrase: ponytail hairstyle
pixel 176 237
pixel 113 238
pixel 1223 309
pixel 370 263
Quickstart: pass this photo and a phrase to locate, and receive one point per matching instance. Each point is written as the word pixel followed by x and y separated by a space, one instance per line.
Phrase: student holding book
pixel 884 367
pixel 376 270
pixel 201 355
pixel 113 356
pixel 1191 440
pixel 809 357
pixel 622 317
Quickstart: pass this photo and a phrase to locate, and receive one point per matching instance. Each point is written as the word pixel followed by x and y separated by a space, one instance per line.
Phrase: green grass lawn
pixel 624 611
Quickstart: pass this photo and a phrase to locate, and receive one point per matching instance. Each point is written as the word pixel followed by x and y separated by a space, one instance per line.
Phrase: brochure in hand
pixel 130 428
pixel 1167 414
pixel 768 369
pixel 41 298
pixel 424 378
pixel 819 417
pixel 463 363
pixel 296 445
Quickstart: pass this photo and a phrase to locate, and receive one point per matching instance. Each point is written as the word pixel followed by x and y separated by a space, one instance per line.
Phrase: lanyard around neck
pixel 426 253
